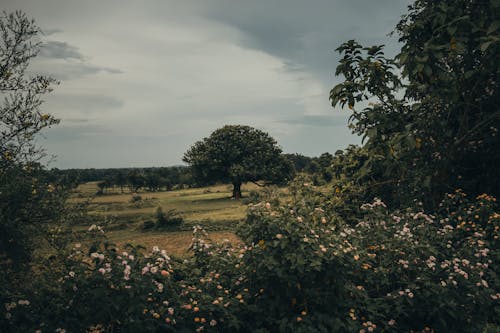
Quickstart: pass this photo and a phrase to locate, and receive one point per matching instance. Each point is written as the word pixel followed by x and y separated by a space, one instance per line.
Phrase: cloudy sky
pixel 140 81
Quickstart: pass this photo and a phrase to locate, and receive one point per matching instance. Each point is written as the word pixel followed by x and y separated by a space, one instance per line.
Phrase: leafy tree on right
pixel 431 115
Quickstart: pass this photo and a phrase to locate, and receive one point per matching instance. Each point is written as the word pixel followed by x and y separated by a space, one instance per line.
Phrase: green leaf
pixel 451 29
pixel 484 46
pixel 493 27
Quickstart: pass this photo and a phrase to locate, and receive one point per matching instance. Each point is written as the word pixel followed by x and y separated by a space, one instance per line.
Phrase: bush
pixel 253 197
pixel 300 268
pixel 164 220
pixel 136 198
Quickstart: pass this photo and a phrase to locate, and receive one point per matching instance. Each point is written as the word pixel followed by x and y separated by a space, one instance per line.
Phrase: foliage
pixel 164 220
pixel 319 261
pixel 148 179
pixel 29 200
pixel 439 131
pixel 238 154
pixel 300 269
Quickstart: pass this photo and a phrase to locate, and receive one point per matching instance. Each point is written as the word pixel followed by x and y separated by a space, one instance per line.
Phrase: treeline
pixel 155 179
pixel 130 179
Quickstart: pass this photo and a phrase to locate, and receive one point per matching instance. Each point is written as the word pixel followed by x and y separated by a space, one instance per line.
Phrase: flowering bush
pixel 300 268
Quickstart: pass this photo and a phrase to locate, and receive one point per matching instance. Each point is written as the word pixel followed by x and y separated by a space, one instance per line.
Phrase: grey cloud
pixel 305 34
pixel 49 32
pixel 85 104
pixel 74 70
pixel 73 133
pixel 66 62
pixel 60 50
pixel 315 121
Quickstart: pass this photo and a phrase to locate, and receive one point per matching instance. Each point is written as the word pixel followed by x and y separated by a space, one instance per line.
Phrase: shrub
pixel 167 219
pixel 136 198
pixel 164 220
pixel 301 268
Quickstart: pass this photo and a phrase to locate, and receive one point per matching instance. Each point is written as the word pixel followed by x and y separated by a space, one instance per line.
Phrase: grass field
pixel 211 207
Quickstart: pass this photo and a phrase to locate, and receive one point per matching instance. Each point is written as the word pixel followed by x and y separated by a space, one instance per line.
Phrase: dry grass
pixel 175 243
pixel 210 206
pixel 211 203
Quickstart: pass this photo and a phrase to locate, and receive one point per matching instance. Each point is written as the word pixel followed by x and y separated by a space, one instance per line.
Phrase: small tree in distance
pixel 238 154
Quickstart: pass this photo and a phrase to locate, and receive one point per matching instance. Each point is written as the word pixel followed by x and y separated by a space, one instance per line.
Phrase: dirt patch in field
pixel 175 243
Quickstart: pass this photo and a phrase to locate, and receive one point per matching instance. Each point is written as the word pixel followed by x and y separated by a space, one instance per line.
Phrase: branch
pixel 265 184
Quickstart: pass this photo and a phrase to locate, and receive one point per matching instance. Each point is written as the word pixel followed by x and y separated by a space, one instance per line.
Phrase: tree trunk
pixel 237 191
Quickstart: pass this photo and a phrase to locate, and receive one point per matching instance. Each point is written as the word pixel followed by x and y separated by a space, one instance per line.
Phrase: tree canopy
pixel 431 115
pixel 238 154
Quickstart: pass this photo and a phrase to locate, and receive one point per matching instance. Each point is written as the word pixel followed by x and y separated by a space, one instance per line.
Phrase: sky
pixel 141 81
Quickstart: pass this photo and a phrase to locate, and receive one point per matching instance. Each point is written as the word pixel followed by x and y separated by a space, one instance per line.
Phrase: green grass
pixel 212 207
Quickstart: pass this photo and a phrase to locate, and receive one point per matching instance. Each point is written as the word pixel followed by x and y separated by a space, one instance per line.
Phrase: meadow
pixel 123 217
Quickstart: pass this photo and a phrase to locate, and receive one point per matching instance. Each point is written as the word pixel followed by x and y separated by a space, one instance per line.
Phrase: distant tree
pixel 325 160
pixel 120 179
pixel 238 154
pixel 152 181
pixel 103 185
pixel 135 180
pixel 300 162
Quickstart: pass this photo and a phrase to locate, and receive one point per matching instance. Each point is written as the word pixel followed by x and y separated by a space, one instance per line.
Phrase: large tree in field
pixel 238 154
pixel 440 132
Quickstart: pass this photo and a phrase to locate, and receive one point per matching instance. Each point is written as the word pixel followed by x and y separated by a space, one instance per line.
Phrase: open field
pixel 122 218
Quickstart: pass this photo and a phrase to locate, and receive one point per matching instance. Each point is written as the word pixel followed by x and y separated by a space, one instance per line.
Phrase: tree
pixel 29 201
pixel 135 180
pixel 20 115
pixel 440 132
pixel 21 197
pixel 238 154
